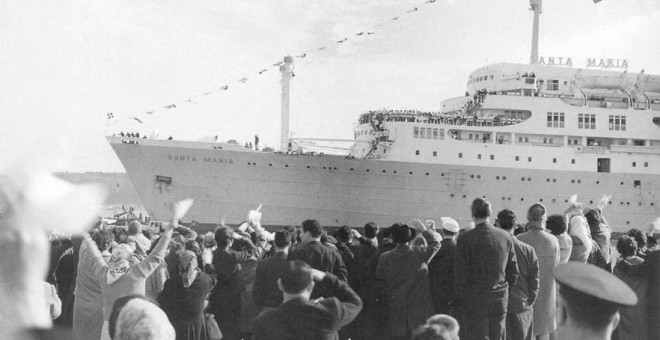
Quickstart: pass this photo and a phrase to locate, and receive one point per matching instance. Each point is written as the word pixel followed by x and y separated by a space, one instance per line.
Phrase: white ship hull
pixel 228 181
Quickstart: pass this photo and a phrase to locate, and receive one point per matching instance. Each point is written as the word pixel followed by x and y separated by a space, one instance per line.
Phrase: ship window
pixel 435 133
pixel 526 139
pixel 429 133
pixel 634 164
pixel 479 156
pixel 529 159
pixel 586 121
pixel 491 77
pixel 460 155
pixel 520 139
pixel 470 136
pixel 476 136
pixel 422 133
pixel 555 119
pixel 417 152
pixel 492 157
pixel 637 184
pixel 554 160
pixel 551 141
pixel 416 132
pixel 646 164
pixel 545 140
pixel 435 153
pixel 517 158
pixel 617 123
pixel 573 161
pixel 529 80
pixel 553 85
pixel 164 179
pixel 442 133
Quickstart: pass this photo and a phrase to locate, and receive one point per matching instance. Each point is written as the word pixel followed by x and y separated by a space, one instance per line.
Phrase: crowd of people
pixel 547 277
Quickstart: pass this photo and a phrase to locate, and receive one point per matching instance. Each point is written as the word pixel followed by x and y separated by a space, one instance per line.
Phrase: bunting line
pixel 113 120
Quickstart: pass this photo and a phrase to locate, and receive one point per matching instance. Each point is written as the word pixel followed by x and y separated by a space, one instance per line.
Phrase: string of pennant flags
pixel 112 119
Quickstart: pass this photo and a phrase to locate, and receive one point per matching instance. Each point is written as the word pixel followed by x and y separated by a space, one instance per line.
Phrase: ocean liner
pixel 522 133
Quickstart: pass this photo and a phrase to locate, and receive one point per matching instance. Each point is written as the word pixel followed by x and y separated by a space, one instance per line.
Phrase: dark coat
pixel 405 272
pixel 322 258
pixel 265 291
pixel 442 276
pixel 185 306
pixel 300 319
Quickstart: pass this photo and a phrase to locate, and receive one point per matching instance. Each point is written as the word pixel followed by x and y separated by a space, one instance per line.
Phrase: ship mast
pixel 536 7
pixel 287 73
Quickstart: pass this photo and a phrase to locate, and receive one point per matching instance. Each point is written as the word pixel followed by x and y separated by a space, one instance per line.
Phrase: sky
pixel 66 64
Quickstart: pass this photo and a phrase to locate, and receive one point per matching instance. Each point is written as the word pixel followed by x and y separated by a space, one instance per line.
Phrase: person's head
pixel 626 246
pixel 187 266
pixel 282 239
pixel 224 237
pixel 148 234
pixel 402 233
pixel 536 212
pixel 590 298
pixel 209 240
pixel 639 237
pixel 556 224
pixel 449 227
pixel 480 208
pixel 593 219
pixel 103 238
pixel 651 241
pixel 438 327
pixel 120 234
pixel 293 233
pixel 133 317
pixel 296 279
pixel 191 245
pixel 134 228
pixel 370 230
pixel 506 220
pixel 344 234
pixel 312 230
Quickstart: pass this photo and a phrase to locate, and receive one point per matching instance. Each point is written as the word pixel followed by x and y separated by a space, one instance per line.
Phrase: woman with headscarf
pixel 123 275
pixel 183 298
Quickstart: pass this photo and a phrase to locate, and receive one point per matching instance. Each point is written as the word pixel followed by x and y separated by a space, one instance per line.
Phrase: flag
pixel 171 106
pixel 150 112
pixel 110 115
pixel 359 34
pixel 597 1
pixel 138 120
pixel 278 63
pixel 341 41
pixel 302 55
pixel 412 10
pixel 262 71
pixel 224 88
pixel 322 48
pixel 243 80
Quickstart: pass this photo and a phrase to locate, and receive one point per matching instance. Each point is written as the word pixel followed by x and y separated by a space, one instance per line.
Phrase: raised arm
pixel 152 261
pixel 88 249
pixel 433 245
pixel 347 304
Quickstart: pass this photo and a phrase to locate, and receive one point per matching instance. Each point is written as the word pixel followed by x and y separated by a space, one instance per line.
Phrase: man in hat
pixel 404 270
pixel 485 268
pixel 589 301
pixel 523 295
pixel 441 269
pixel 546 247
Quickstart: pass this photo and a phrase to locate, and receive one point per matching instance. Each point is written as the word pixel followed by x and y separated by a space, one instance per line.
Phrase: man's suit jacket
pixel 265 291
pixel 322 258
pixel 314 319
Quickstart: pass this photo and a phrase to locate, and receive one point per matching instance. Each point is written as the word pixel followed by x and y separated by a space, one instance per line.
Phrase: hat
pixel 449 224
pixel 596 282
pixel 402 233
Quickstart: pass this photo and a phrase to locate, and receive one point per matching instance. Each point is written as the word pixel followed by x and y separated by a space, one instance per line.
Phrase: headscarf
pixel 188 267
pixel 140 319
pixel 120 262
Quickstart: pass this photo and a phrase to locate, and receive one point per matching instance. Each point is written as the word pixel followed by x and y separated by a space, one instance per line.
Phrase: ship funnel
pixel 287 73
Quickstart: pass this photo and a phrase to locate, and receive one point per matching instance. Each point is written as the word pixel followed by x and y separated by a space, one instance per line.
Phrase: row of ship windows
pixel 529 159
pixel 586 121
pixel 636 183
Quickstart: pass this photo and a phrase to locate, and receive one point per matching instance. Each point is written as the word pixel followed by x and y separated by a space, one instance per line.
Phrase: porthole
pixel 442 174
pixel 270 164
pixel 464 196
pixel 384 171
pixel 335 168
pixel 471 176
pixel 452 195
pixel 572 181
pixel 497 177
pixel 547 180
pixel 286 165
pixel 529 179
pixel 249 163
pixel 351 169
pixel 541 200
pixel 621 183
pixel 308 167
pixel 394 171
pixel 554 180
pixel 427 174
pixel 478 176
pixel 367 170
pixel 597 182
pixel 579 181
pixel 521 199
pixel 504 178
pixel 522 179
pixel 324 168
pixel 410 173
